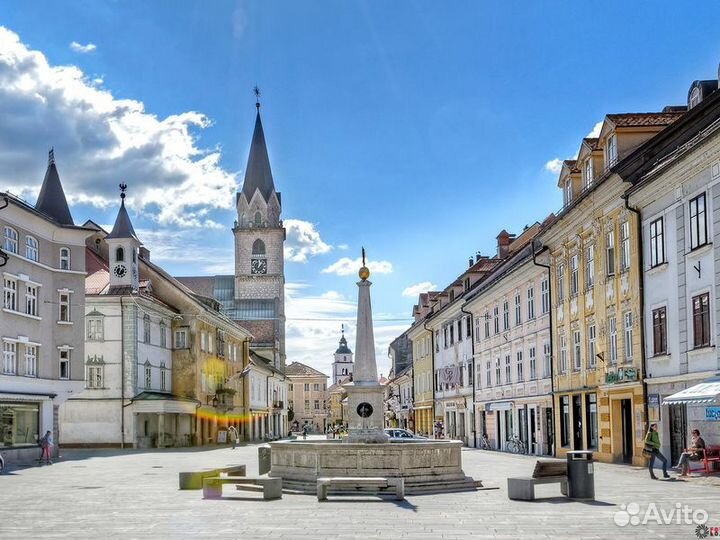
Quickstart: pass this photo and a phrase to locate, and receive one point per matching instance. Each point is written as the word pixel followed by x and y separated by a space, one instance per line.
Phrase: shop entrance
pixel 627 431
pixel 678 430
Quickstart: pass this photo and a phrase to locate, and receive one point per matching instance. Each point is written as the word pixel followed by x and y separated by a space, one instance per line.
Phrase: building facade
pixel 309 398
pixel 423 372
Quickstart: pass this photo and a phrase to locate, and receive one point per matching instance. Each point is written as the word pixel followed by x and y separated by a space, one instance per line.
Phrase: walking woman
pixel 652 445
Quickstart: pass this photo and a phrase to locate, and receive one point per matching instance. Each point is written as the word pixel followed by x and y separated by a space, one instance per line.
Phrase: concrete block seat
pixel 194 479
pixel 547 471
pixel 271 487
pixel 397 484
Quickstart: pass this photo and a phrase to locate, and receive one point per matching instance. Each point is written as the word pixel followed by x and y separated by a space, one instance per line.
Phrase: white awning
pixel 705 392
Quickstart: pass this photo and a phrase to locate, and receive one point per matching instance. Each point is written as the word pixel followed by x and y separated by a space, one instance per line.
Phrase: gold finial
pixel 364 272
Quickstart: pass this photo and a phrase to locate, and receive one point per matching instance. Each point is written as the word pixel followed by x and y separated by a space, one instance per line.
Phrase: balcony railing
pixel 278 404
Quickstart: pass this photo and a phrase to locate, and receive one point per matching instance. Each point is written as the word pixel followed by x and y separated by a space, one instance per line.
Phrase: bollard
pixel 263 459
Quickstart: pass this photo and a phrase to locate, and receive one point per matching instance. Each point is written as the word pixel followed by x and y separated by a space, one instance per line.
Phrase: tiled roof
pixel 297 369
pixel 590 142
pixel 202 285
pixel 571 164
pixel 644 119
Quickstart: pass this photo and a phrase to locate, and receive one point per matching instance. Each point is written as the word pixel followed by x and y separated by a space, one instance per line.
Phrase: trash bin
pixel 263 459
pixel 581 480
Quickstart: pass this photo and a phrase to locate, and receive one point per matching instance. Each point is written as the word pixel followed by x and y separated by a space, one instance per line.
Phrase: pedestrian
pixel 652 446
pixel 305 431
pixel 46 444
pixel 695 452
pixel 233 433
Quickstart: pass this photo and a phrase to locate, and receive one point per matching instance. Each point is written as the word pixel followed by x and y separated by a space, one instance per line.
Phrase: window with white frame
pixel 95 328
pixel 701 320
pixel 181 341
pixel 9 358
pixel 518 309
pixel 508 370
pixel 163 334
pixel 64 307
pixel 533 363
pixel 545 295
pixel 94 374
pixel 31 300
pixel 64 258
pixel 568 191
pixel 210 342
pixel 659 322
pixel 590 266
pixel 10 294
pixel 459 330
pixel 547 359
pixel 31 248
pixel 31 360
pixel 468 327
pixel 561 282
pixel 64 357
pixel 588 172
pixel 657 243
pixel 628 318
pixel 611 155
pixel 577 351
pixel 574 285
pixel 506 315
pixel 496 319
pixel 698 222
pixel 148 375
pixel 477 329
pixel 203 341
pixel 520 366
pixel 163 376
pixel 498 378
pixel 625 245
pixel 531 302
pixel 610 252
pixel 591 346
pixel 10 243
pixel 563 354
pixel 694 98
pixel 487 323
pixel 488 374
pixel 146 328
pixel 612 334
pixel 445 337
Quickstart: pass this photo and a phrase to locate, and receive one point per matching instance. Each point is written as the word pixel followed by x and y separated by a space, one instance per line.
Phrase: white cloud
pixel 414 290
pixel 554 165
pixel 595 130
pixel 82 49
pixel 101 140
pixel 343 247
pixel 303 241
pixel 347 266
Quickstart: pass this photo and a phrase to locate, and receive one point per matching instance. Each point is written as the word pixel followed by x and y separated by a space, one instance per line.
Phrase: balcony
pixel 278 404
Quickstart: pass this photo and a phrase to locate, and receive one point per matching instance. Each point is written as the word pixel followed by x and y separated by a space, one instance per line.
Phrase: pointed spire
pixel 123 226
pixel 52 201
pixel 257 173
pixel 343 348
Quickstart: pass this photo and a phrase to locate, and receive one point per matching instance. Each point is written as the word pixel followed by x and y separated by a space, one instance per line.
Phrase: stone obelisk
pixel 365 394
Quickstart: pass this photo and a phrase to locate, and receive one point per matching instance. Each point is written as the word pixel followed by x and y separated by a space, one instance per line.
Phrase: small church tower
pixel 343 364
pixel 123 245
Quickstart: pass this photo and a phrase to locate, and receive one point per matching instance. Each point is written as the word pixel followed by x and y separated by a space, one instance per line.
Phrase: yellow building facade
pixel 422 378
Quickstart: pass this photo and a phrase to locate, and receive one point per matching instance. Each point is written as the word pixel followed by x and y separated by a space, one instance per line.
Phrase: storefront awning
pixel 160 403
pixel 705 392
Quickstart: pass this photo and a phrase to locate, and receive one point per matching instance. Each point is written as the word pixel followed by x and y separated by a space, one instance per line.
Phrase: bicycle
pixel 485 443
pixel 516 446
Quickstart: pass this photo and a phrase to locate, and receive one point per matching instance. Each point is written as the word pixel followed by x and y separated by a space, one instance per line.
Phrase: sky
pixel 416 129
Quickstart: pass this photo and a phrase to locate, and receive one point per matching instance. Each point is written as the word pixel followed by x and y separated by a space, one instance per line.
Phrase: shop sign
pixel 621 375
pixel 449 405
pixel 499 406
pixel 654 400
pixel 712 414
pixel 449 375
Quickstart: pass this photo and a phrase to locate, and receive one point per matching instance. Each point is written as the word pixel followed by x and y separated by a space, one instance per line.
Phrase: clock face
pixel 258 266
pixel 364 410
pixel 119 270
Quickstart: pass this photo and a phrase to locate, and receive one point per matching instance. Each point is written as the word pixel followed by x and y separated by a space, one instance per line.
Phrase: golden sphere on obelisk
pixel 364 272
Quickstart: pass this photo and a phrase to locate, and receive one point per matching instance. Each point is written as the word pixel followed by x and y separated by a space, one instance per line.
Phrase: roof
pixel 644 119
pixel 52 201
pixel 343 348
pixel 202 285
pixel 590 142
pixel 258 175
pixel 298 369
pixel 123 226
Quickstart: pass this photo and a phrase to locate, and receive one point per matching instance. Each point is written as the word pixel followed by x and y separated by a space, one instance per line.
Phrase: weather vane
pixel 123 188
pixel 363 256
pixel 256 91
pixel 51 155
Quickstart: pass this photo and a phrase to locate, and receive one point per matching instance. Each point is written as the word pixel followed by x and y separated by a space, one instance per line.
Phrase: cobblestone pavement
pixel 134 494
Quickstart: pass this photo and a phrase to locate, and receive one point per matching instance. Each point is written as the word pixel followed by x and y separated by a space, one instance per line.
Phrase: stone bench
pixel 548 471
pixel 272 487
pixel 398 484
pixel 194 479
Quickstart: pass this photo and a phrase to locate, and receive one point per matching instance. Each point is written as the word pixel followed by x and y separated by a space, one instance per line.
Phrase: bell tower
pixel 343 363
pixel 123 246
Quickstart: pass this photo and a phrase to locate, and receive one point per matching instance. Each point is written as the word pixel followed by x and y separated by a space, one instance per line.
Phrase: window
pixel 657 243
pixel 19 424
pixel 625 245
pixel 452 333
pixel 307 404
pixel 592 420
pixel 612 325
pixel 533 363
pixel 64 307
pixel 94 375
pixel 545 295
pixel 30 361
pixel 611 155
pixel 547 358
pixel 468 327
pixel 64 363
pixel 10 294
pixel 146 328
pixel 610 252
pixel 561 282
pixel 659 322
pixel 563 354
pixel 316 387
pixel 181 341
pixel 210 342
pixel 31 248
pixel 520 374
pixel 258 219
pixel 9 358
pixel 531 302
pixel 496 320
pixel 577 348
pixel 694 98
pixel 568 191
pixel 459 330
pixel 307 387
pixel 508 370
pixel 64 259
pixel 591 346
pixel 437 340
pixel 95 329
pixel 518 315
pixel 445 337
pixel 119 255
pixel 506 315
pixel 590 267
pixel 701 320
pixel 470 373
pixel 477 329
pixel 11 240
pixel 698 222
pixel 163 335
pixel 31 304
pixel 203 341
pixel 487 323
pixel 148 376
pixel 488 374
pixel 628 318
pixel 163 377
pixel 316 404
pixel 565 421
pixel 574 275
pixel 588 172
pixel 498 379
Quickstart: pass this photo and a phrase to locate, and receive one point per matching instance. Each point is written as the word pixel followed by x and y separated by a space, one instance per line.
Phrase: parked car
pixel 399 434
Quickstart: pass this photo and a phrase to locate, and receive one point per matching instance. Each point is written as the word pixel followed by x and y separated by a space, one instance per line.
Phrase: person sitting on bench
pixel 694 453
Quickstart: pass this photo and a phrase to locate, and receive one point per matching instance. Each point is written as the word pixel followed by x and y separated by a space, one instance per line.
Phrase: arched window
pixel 258 247
pixel 258 218
pixel 31 248
pixel 119 254
pixel 11 238
pixel 64 259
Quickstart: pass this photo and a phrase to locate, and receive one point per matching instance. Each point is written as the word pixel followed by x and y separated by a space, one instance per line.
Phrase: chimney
pixel 477 256
pixel 145 253
pixel 470 262
pixel 504 239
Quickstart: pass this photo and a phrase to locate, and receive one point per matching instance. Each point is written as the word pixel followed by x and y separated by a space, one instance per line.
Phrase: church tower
pixel 123 247
pixel 259 260
pixel 343 365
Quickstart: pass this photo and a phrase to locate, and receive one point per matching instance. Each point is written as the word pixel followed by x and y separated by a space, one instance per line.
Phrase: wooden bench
pixel 707 463
pixel 194 479
pixel 272 487
pixel 547 471
pixel 396 483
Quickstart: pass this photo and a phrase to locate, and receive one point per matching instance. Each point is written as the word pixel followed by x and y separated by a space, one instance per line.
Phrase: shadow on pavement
pixel 566 500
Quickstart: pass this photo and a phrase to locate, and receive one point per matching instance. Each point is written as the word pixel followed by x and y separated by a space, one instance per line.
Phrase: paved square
pixel 134 494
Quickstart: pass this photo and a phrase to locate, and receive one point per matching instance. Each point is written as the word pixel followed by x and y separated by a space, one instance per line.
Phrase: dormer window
pixel 611 155
pixel 588 172
pixel 119 255
pixel 694 98
pixel 568 191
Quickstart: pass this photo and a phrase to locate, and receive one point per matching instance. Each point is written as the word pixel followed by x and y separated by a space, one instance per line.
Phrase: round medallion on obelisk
pixel 364 410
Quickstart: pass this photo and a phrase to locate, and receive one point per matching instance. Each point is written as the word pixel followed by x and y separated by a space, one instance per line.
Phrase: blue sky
pixel 417 129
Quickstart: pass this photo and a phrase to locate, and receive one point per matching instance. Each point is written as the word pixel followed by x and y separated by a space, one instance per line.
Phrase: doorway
pixel 627 431
pixel 678 430
pixel 522 424
pixel 533 446
pixel 577 422
pixel 549 432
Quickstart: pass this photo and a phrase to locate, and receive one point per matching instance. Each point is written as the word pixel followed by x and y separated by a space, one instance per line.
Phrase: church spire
pixel 51 200
pixel 258 175
pixel 123 226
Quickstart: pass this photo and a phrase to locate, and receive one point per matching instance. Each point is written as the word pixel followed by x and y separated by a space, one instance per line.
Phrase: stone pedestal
pixel 361 399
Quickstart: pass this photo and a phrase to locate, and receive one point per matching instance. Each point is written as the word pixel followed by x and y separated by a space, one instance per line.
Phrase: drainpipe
pixel 474 385
pixel 552 367
pixel 641 280
pixel 432 360
pixel 122 375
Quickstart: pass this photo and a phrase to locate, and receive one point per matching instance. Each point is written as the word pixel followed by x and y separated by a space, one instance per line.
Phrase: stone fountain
pixel 426 465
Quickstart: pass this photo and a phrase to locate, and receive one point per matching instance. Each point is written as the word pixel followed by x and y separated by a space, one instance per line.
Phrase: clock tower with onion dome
pixel 259 302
